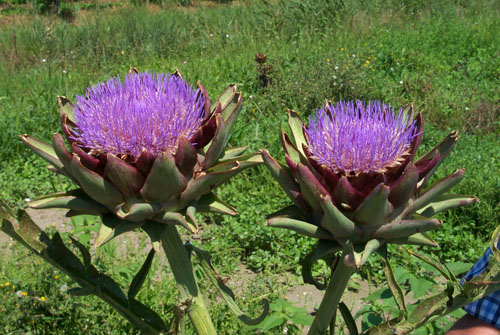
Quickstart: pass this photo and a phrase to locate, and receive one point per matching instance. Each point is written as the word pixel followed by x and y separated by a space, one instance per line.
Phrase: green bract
pixel 360 211
pixel 152 189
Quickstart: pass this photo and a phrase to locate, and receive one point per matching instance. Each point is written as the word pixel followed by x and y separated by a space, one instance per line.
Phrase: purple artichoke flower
pixel 352 138
pixel 146 111
pixel 145 150
pixel 353 180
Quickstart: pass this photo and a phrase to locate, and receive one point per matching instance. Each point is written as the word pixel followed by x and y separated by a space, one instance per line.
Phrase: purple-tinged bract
pixel 355 137
pixel 144 152
pixel 147 111
pixel 353 179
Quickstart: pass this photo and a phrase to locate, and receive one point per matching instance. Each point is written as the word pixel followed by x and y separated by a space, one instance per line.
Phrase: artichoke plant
pixel 149 149
pixel 356 186
pixel 147 153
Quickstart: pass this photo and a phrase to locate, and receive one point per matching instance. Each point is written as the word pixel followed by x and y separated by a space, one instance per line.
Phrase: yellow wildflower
pixel 42 299
pixel 24 293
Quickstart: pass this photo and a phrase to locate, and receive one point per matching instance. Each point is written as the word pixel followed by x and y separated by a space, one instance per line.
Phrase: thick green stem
pixel 182 269
pixel 331 299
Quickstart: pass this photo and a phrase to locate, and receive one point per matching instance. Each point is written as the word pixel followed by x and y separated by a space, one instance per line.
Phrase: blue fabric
pixel 487 308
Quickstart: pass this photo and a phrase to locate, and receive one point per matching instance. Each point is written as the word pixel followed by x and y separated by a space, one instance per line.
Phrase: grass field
pixel 441 56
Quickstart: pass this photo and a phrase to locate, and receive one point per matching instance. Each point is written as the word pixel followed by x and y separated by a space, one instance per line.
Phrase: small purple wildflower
pixel 147 110
pixel 355 137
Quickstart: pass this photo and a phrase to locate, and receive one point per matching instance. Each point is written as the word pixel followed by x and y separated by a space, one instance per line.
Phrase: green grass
pixel 441 56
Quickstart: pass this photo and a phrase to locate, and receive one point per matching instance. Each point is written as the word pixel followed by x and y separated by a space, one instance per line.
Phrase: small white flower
pixel 227 35
pixel 185 62
pixel 334 77
pixel 63 288
pixel 19 294
pixel 392 69
pixel 334 83
pixel 64 71
pixel 43 60
pixel 353 55
pixel 250 97
pixel 466 108
pixel 211 35
pixel 336 67
pixel 401 82
pixel 27 199
pixel 285 330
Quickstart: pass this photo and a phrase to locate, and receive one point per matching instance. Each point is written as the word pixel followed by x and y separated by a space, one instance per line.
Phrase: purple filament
pixel 358 137
pixel 147 110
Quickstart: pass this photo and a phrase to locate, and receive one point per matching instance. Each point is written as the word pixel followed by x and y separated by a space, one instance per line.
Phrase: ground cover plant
pixel 440 56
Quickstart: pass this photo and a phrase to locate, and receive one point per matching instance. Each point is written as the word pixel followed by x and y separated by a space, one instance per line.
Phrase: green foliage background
pixel 441 56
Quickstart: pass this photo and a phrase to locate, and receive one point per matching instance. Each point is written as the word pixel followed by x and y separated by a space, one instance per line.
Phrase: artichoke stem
pixel 182 269
pixel 329 304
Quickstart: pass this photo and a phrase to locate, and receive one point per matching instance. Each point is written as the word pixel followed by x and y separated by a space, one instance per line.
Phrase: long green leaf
pixel 139 278
pixel 348 319
pixel 396 290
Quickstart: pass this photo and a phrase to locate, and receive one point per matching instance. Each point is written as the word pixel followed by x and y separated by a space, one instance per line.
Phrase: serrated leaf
pixel 271 321
pixel 458 268
pixel 419 286
pixel 302 319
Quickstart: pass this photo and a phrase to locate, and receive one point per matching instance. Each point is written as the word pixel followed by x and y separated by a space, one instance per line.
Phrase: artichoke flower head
pixel 353 179
pixel 144 152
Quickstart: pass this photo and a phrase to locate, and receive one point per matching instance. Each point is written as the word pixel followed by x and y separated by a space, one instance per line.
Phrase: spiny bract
pixel 353 181
pixel 145 152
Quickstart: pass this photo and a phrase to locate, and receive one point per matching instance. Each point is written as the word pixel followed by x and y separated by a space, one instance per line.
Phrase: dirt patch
pixel 45 219
pixel 309 297
pixel 485 118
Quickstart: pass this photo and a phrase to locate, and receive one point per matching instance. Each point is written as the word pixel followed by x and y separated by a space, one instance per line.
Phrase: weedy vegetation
pixel 441 56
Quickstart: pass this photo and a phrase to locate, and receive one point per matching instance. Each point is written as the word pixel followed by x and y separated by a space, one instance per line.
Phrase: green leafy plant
pixel 283 317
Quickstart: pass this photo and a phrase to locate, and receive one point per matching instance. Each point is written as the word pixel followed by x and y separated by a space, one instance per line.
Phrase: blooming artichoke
pixel 353 179
pixel 148 149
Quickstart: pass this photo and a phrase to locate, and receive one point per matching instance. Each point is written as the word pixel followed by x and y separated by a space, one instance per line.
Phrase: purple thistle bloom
pixel 355 137
pixel 147 110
